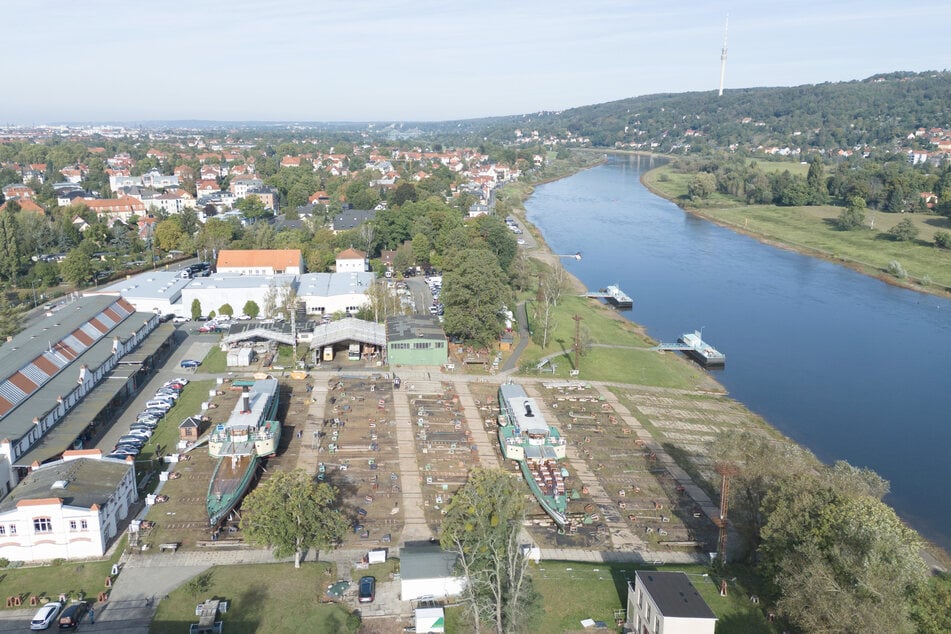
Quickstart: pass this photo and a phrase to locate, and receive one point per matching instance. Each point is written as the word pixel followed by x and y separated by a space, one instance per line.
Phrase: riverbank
pixel 808 231
pixel 671 291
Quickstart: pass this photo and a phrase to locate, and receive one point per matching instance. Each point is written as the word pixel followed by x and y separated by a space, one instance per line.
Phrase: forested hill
pixel 876 111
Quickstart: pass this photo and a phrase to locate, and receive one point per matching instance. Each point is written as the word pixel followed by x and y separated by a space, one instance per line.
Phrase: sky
pixel 425 60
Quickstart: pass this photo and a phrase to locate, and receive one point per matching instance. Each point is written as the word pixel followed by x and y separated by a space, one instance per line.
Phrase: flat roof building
pixel 415 340
pixel 667 603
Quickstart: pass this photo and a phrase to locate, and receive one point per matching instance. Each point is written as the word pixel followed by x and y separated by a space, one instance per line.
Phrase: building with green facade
pixel 415 340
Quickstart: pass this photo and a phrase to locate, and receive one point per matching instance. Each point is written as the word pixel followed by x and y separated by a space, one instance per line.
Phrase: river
pixel 844 364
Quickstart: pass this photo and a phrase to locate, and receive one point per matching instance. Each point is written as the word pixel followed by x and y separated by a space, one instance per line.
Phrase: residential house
pixel 351 219
pixel 352 261
pixel 172 202
pixel 116 208
pixel 242 185
pixel 267 195
pixel 17 190
pixel 26 204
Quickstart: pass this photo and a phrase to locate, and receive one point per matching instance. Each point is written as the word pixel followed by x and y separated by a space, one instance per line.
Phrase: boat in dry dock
pixel 250 434
pixel 527 438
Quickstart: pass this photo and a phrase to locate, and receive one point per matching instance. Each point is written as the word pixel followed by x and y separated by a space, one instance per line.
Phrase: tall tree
pixel 482 526
pixel 11 257
pixel 292 513
pixel 816 180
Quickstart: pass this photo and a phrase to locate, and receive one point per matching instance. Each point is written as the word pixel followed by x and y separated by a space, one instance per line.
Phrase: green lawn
pixel 642 367
pixel 574 591
pixel 188 404
pixel 261 598
pixel 74 579
pixel 813 229
pixel 215 361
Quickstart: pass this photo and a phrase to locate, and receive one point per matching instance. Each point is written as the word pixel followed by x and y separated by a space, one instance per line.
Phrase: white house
pixel 428 571
pixel 68 509
pixel 351 260
pixel 667 603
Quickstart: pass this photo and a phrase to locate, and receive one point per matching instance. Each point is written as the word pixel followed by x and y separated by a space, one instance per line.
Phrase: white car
pixel 180 320
pixel 243 317
pixel 45 615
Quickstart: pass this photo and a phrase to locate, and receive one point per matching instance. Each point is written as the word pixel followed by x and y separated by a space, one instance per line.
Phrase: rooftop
pixel 279 259
pixel 426 562
pixel 330 284
pixel 408 327
pixel 165 285
pixel 80 482
pixel 674 595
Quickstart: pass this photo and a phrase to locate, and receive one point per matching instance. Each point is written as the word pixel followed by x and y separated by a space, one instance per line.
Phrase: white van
pixel 158 404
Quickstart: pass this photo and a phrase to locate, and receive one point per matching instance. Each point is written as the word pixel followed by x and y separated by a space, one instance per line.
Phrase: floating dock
pixel 613 295
pixel 693 345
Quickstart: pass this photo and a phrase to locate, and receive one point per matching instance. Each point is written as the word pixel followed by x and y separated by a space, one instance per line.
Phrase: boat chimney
pixel 245 403
pixel 528 410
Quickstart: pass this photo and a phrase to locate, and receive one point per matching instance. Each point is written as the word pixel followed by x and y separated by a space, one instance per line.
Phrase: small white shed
pixel 428 571
pixel 428 620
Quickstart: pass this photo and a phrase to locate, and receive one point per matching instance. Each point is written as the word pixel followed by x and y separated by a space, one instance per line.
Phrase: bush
pixel 4 562
pixel 895 268
pixel 942 239
pixel 904 231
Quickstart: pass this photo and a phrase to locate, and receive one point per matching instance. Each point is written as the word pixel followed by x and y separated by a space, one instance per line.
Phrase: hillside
pixel 875 111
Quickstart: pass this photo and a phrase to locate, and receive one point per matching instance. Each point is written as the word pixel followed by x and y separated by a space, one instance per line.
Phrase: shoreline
pixel 862 268
pixel 936 557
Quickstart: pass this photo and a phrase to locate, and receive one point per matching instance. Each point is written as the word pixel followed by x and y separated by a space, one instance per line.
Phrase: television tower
pixel 726 30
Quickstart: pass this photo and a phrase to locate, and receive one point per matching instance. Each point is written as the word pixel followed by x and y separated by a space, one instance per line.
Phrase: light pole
pixel 33 288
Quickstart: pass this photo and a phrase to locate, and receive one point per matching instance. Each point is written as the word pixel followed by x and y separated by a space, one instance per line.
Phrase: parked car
pixel 367 589
pixel 141 433
pixel 72 615
pixel 159 404
pixel 155 412
pixel 242 317
pixel 180 320
pixel 132 439
pixel 207 328
pixel 190 363
pixel 45 615
pixel 148 419
pixel 180 380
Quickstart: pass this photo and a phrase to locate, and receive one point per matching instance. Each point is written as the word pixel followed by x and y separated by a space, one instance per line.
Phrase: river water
pixel 850 367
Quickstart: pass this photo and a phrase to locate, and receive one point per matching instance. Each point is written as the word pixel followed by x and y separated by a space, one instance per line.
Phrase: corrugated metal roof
pixel 349 329
pixel 94 317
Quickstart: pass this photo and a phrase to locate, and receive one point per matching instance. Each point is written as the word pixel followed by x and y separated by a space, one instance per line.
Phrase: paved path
pixel 524 338
pixel 415 527
pixel 475 419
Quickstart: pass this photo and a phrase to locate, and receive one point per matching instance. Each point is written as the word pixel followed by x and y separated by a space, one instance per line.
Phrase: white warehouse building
pixel 329 293
pixel 236 290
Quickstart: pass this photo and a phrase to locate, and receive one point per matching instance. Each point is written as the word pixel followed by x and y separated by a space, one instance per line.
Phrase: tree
pixel 10 318
pixel 481 526
pixel 838 561
pixel 226 309
pixel 292 513
pixel 931 605
pixel 251 207
pixel 702 185
pixel 168 235
pixel 11 257
pixel 196 309
pixel 404 192
pixel 78 268
pixel 473 294
pixel 251 308
pixel 815 179
pixel 904 231
pixel 853 215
